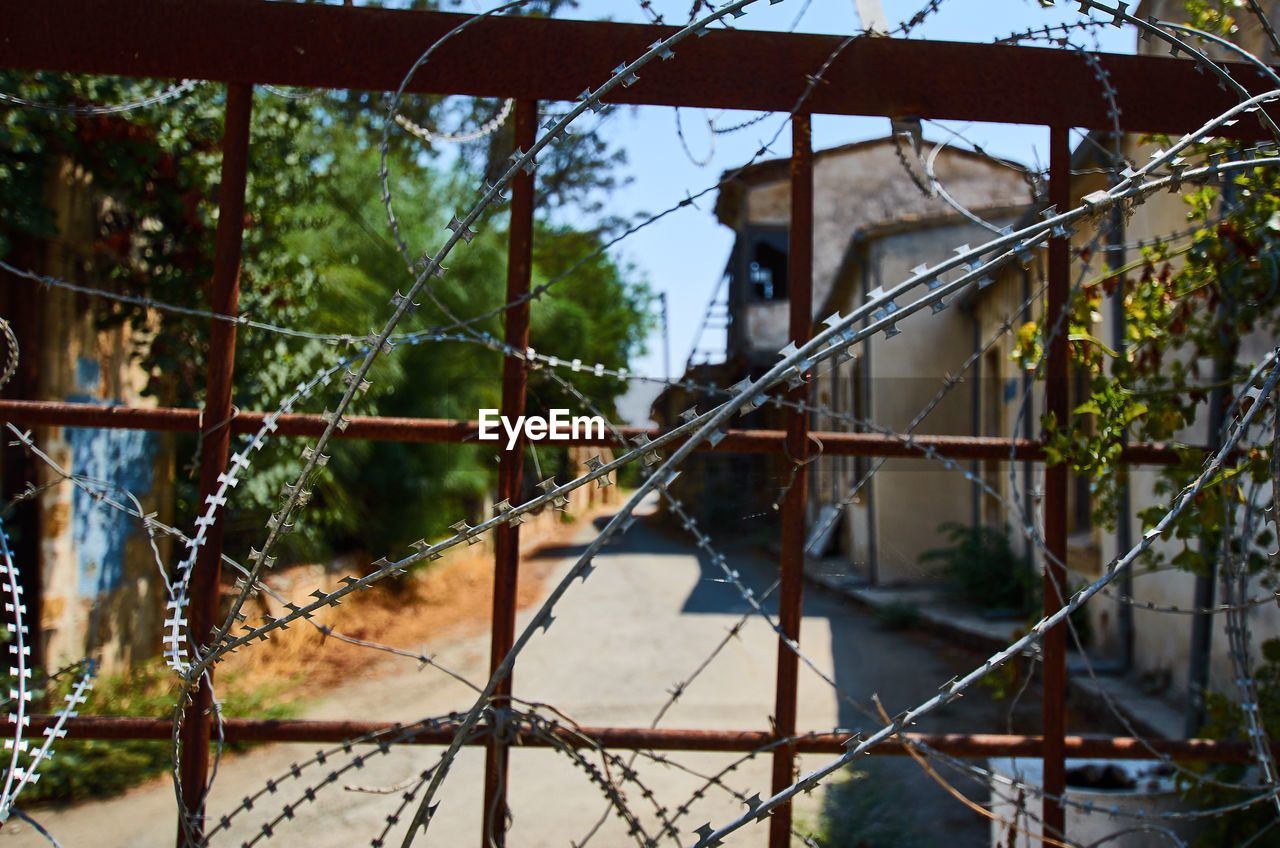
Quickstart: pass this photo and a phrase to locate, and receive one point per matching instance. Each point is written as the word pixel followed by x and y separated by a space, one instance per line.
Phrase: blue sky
pixel 684 254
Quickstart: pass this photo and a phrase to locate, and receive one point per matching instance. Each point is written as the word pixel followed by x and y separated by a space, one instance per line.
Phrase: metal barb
pixel 595 464
pixel 462 528
pixel 704 836
pixel 559 502
pixel 649 457
pixel 504 506
pixel 466 233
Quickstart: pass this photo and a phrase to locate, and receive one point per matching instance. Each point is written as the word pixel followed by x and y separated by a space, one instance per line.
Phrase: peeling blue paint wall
pixel 120 458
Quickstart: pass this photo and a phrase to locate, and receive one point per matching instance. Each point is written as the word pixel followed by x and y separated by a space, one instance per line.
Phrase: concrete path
pixel 644 621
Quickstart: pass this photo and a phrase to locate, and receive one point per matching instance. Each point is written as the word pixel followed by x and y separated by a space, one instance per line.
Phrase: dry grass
pixel 451 598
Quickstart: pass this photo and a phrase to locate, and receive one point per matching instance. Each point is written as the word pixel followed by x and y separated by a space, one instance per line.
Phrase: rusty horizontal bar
pixel 371 49
pixel 657 739
pixel 172 420
pixel 949 447
pixel 24 413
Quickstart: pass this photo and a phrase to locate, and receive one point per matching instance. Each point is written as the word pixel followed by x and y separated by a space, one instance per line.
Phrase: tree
pixel 318 256
pixel 594 314
pixel 576 173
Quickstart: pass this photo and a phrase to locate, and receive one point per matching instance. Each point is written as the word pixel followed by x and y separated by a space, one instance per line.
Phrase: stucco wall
pixel 872 225
pixel 1162 641
pixel 101 587
pixel 914 497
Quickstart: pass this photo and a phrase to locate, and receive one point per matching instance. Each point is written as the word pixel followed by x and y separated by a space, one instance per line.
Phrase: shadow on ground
pixel 882 800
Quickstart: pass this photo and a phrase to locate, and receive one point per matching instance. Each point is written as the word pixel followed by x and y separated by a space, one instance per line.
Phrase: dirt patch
pixel 451 598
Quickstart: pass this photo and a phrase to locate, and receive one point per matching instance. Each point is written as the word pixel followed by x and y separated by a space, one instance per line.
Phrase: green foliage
pixel 154 175
pixel 94 768
pixel 383 495
pixel 982 565
pixel 1225 720
pixel 1212 16
pixel 577 173
pixel 1004 680
pixel 1187 311
pixel 152 181
pixel 319 256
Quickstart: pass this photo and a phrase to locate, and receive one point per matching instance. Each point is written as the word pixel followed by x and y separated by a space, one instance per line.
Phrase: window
pixel 766 264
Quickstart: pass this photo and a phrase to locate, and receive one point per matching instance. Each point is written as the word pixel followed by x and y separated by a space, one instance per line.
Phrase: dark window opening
pixel 766 265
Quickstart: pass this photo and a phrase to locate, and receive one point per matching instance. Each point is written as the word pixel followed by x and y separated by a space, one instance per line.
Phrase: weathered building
pixel 89 572
pixel 876 217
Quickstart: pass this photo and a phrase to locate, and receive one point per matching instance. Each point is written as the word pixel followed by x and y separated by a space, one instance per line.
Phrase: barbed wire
pixel 357 381
pixel 880 314
pixel 297 96
pixel 133 509
pixel 877 328
pixel 688 524
pixel 948 385
pixel 858 745
pixel 11 359
pixel 18 777
pixel 486 129
pixel 404 303
pixel 173 92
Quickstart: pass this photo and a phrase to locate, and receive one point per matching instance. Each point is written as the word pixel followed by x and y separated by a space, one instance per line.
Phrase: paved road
pixel 648 616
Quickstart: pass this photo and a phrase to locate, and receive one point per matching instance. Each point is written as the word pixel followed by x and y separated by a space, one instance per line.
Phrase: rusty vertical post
pixel 1054 650
pixel 510 467
pixel 790 597
pixel 215 443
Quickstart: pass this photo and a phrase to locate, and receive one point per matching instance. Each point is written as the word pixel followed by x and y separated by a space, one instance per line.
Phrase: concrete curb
pixel 1101 697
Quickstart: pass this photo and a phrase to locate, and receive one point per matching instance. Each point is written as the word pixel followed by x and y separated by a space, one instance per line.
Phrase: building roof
pixel 883 184
pixel 771 170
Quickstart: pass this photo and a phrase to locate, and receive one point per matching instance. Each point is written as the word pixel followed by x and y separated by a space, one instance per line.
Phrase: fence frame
pixel 248 42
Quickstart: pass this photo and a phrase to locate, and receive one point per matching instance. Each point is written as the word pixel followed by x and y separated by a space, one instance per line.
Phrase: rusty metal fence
pixel 241 43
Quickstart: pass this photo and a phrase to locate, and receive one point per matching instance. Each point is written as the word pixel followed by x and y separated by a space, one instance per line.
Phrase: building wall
pixel 889 382
pixel 906 373
pixel 1006 409
pixel 864 188
pixel 872 225
pixel 101 586
pixel 860 193
pixel 1162 641
pixel 1250 35
pixel 837 482
pixel 1161 648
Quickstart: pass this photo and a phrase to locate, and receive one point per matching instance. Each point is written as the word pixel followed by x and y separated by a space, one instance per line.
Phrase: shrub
pixel 983 567
pixel 898 615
